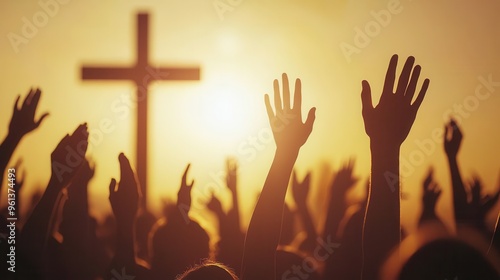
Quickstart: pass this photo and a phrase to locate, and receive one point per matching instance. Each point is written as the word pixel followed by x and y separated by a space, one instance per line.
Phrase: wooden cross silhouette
pixel 142 74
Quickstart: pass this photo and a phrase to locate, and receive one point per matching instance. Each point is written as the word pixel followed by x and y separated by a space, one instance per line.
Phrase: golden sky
pixel 241 46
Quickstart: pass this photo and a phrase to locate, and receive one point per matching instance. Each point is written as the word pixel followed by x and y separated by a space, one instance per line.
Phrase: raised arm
pixel 66 160
pixel 300 191
pixel 481 205
pixel 232 184
pixel 75 226
pixel 342 182
pixel 184 196
pixel 265 225
pixel 452 140
pixel 387 125
pixel 22 122
pixel 124 199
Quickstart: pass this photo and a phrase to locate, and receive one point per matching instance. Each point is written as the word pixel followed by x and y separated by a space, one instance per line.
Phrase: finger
pixel 184 176
pixel 421 95
pixel 37 124
pixel 307 179
pixel 311 116
pixel 79 139
pixel 277 97
pixel 33 102
pixel 405 76
pixel 297 97
pixel 366 97
pixel 456 132
pixel 410 91
pixel 269 109
pixel 390 76
pixel 286 92
pixel 27 98
pixel 16 104
pixel 112 186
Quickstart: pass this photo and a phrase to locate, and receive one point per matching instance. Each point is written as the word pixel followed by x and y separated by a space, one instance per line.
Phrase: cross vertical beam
pixel 142 74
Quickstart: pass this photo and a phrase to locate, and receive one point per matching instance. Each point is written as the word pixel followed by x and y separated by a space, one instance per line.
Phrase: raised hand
pixel 344 179
pixel 431 194
pixel 231 174
pixel 23 118
pixel 233 215
pixel 68 156
pixel 481 205
pixel 184 194
pixel 300 190
pixel 432 191
pixel 21 123
pixel 390 121
pixel 286 122
pixel 124 196
pixel 452 138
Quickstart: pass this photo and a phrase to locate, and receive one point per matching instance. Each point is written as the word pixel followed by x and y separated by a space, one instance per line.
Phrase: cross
pixel 142 74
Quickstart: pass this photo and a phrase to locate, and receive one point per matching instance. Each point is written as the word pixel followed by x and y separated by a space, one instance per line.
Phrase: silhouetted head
pixel 177 245
pixel 448 259
pixel 208 270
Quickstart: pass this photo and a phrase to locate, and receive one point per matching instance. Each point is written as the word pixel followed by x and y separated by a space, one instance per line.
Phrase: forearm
pixel 459 195
pixel 37 228
pixel 336 210
pixel 7 149
pixel 77 218
pixel 382 224
pixel 265 225
pixel 234 214
pixel 307 222
pixel 124 254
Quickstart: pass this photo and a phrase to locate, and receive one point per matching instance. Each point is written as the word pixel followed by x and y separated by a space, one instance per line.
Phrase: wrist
pixel 14 137
pixel 288 153
pixel 451 158
pixel 383 149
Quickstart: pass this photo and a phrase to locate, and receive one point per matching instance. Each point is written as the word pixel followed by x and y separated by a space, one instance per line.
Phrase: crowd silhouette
pixel 59 239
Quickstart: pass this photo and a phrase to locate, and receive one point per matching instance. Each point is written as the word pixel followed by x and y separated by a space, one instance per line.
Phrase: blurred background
pixel 241 46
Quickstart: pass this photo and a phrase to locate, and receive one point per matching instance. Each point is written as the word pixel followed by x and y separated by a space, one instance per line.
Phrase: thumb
pixel 311 116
